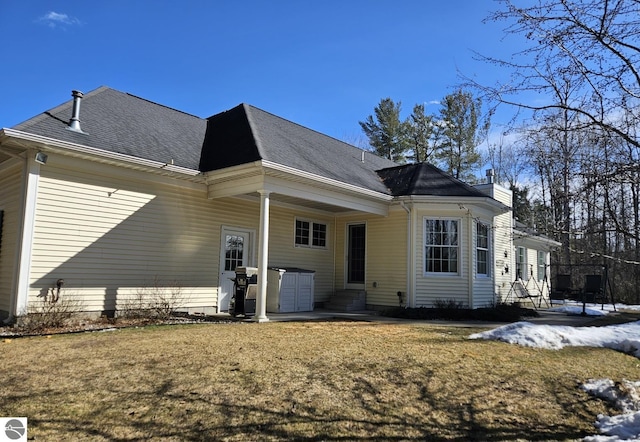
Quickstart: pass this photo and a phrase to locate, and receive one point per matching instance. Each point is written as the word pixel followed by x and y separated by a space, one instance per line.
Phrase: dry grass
pixel 300 381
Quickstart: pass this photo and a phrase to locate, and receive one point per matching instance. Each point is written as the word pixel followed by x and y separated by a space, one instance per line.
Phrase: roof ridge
pixel 312 130
pixel 161 105
pixel 252 126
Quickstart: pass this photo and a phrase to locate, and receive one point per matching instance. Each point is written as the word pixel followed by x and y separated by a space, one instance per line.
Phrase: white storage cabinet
pixel 290 289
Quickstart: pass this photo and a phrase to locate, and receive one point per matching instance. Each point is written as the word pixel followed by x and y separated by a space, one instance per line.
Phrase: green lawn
pixel 302 381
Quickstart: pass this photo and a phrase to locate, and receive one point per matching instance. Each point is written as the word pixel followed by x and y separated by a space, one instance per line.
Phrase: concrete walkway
pixel 545 317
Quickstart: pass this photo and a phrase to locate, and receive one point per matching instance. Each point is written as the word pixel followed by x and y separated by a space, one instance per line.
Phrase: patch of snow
pixel 624 395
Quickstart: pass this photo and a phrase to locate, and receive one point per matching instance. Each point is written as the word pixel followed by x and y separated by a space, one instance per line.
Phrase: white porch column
pixel 263 258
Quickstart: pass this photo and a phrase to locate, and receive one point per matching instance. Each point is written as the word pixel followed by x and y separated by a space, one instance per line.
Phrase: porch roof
pixel 246 134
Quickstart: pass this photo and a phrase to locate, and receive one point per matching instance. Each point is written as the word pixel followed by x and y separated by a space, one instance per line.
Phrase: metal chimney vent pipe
pixel 490 176
pixel 74 123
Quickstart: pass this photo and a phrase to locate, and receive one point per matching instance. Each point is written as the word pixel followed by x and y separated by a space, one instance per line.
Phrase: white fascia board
pixel 266 175
pixel 240 186
pixel 486 202
pixel 233 173
pixel 276 169
pixel 254 183
pixel 326 196
pixel 533 241
pixel 47 144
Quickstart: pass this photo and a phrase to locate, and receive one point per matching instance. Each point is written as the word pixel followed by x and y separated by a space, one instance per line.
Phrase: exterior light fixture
pixel 41 158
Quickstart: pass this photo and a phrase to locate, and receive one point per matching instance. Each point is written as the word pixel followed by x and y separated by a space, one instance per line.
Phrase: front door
pixel 235 252
pixel 356 253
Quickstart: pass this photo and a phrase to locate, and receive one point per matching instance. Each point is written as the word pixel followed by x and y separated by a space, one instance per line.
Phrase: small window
pixel 482 249
pixel 441 244
pixel 234 252
pixel 542 265
pixel 521 264
pixel 310 234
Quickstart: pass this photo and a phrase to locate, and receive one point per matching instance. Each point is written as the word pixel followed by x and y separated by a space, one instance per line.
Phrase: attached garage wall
pixel 10 185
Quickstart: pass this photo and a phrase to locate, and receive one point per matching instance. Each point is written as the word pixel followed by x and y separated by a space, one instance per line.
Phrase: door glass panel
pixel 234 252
pixel 356 266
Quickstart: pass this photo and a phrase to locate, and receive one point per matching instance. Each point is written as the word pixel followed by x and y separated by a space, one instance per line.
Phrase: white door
pixel 235 252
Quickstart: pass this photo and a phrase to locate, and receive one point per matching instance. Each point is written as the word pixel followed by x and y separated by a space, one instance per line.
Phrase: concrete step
pixel 348 301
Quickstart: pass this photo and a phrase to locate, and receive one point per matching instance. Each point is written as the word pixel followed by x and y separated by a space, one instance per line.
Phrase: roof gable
pixel 261 135
pixel 228 141
pixel 424 179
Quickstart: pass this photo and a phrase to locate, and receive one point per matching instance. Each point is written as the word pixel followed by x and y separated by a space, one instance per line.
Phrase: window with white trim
pixel 482 249
pixel 521 264
pixel 542 264
pixel 441 245
pixel 310 234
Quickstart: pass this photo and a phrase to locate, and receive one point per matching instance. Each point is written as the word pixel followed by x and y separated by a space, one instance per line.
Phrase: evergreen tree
pixel 462 131
pixel 522 208
pixel 421 134
pixel 386 132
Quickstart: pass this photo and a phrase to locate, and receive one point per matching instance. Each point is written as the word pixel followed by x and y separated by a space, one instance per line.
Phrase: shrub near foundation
pixel 452 311
pixel 159 300
pixel 47 314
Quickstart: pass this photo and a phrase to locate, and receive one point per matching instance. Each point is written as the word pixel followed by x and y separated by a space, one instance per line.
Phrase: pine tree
pixel 462 131
pixel 387 133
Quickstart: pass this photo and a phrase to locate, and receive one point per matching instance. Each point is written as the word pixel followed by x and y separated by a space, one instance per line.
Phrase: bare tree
pixel 578 78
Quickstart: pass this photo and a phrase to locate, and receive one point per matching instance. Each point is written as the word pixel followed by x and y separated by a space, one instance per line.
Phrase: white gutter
pixel 49 143
pixel 409 302
pixel 457 200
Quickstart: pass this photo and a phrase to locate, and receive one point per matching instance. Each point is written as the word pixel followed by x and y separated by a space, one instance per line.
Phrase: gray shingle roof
pixel 119 122
pixel 425 179
pixel 246 133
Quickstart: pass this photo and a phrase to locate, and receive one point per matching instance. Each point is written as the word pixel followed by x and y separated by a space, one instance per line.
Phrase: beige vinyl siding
pixel 505 265
pixel 341 251
pixel 284 253
pixel 10 185
pixel 535 285
pixel 386 259
pixel 432 287
pixel 483 288
pixel 110 234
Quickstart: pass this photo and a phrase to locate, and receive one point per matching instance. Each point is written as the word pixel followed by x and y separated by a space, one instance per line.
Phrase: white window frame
pixel 522 264
pixel 541 267
pixel 457 247
pixel 486 249
pixel 312 224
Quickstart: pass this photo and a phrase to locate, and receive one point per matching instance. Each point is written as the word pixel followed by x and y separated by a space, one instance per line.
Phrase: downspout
pixel 410 301
pixel 471 259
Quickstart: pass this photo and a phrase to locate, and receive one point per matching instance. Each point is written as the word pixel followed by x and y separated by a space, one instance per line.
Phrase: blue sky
pixel 323 64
